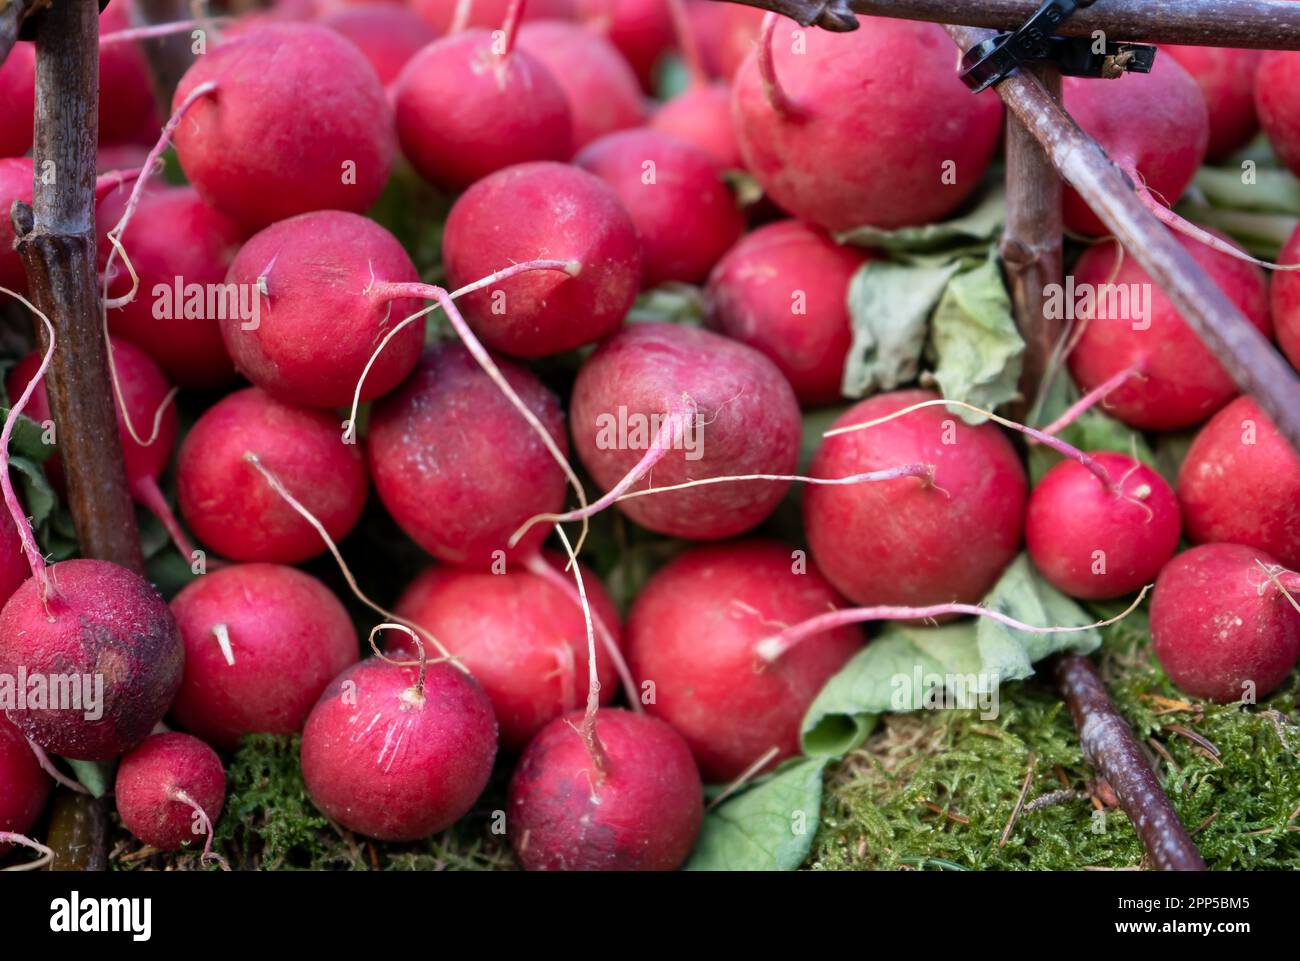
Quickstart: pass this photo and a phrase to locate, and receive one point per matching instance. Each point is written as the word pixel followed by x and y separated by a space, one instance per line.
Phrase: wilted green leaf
pixel 972 232
pixel 1023 594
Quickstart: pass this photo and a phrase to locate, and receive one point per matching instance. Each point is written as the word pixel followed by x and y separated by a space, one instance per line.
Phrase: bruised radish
pixel 1240 483
pixel 285 84
pixel 24 787
pixel 17 103
pixel 226 501
pixel 320 315
pixel 170 790
pixel 685 216
pixel 602 91
pixel 638 809
pixel 1096 540
pixel 1227 81
pixel 386 34
pixel 1174 380
pixel 701 116
pixel 457 466
pixel 261 643
pixel 909 153
pixel 467 105
pixel 691 639
pixel 521 637
pixel 398 753
pixel 553 210
pixel 1223 628
pixel 783 290
pixel 912 541
pixel 686 404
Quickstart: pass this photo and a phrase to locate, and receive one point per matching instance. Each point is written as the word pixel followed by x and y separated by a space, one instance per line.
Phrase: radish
pixel 24 787
pixel 452 16
pixel 1227 81
pixel 261 643
pixel 13 566
pixel 1157 373
pixel 127 109
pixel 679 404
pixel 228 507
pixel 1102 540
pixel 177 279
pixel 638 808
pixel 1285 294
pixel 641 30
pixel 319 315
pixel 283 120
pixel 783 290
pixel 1278 105
pixel 472 104
pixel 908 154
pixel 603 93
pixel 398 753
pixel 15 185
pixel 701 117
pixel 170 790
pixel 1224 622
pixel 388 36
pixel 17 102
pixel 931 540
pixel 685 215
pixel 520 636
pixel 692 633
pixel 456 465
pixel 727 33
pixel 551 210
pixel 1240 483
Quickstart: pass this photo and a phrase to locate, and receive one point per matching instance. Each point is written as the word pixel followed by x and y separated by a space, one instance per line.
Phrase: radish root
pixel 208 857
pixel 55 774
pixel 46 855
pixel 599 757
pixel 1091 399
pixel 776 96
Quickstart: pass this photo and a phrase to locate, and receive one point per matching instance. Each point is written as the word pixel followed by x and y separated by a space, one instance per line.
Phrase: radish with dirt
pixel 170 791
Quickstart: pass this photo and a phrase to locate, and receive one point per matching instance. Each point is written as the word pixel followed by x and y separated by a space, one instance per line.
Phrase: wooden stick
pixel 56 240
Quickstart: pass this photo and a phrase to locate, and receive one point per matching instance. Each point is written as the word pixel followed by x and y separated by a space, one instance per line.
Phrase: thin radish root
pixel 155 30
pixel 1089 400
pixel 510 29
pixel 46 855
pixel 311 519
pixel 208 856
pixel 772 648
pixel 55 774
pixel 923 471
pixel 460 17
pixel 1274 574
pixel 776 96
pixel 150 497
pixel 745 776
pixel 599 757
pixel 422 661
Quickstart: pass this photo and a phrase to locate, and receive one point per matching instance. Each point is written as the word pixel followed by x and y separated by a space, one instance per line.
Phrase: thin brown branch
pixel 12 15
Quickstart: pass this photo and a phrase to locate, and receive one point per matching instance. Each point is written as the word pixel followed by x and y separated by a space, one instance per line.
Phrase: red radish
pixel 701 116
pixel 692 633
pixel 1176 381
pixel 1096 541
pixel 520 636
pixel 603 93
pixel 1227 81
pixel 908 154
pixel 13 566
pixel 24 787
pixel 469 105
pixel 1240 483
pixel 170 790
pixel 441 15
pixel 261 643
pixel 783 290
pixel 297 121
pixel 1223 628
pixel 685 404
pixel 17 101
pixel 387 35
pixel 1278 105
pixel 640 809
pixel 1156 126
pixel 559 212
pixel 398 753
pixel 685 215
pixel 127 110
pixel 15 185
pixel 1286 302
pixel 727 33
pixel 171 319
pixel 457 466
pixel 641 30
pixel 319 318
pixel 227 505
pixel 944 539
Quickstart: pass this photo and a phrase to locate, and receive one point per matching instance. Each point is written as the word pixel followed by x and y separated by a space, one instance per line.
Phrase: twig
pixel 12 15
pixel 1020 802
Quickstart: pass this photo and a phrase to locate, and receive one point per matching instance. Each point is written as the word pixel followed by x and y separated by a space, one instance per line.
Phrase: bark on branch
pixel 12 15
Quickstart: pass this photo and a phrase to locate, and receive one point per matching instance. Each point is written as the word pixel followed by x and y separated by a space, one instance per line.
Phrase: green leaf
pixel 1023 594
pixel 768 828
pixel 94 776
pixel 973 231
pixel 37 494
pixel 28 438
pixel 672 303
pixel 1092 431
pixel 1272 192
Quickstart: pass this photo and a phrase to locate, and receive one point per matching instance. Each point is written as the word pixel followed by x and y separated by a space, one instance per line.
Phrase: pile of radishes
pixel 574 192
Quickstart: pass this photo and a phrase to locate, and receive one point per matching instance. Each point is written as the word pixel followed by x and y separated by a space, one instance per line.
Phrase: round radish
pixel 783 290
pixel 13 566
pixel 24 787
pixel 397 756
pixel 909 153
pixel 642 812
pixel 1096 542
pixel 910 541
pixel 108 628
pixel 1227 81
pixel 457 466
pixel 1278 105
pixel 229 505
pixel 127 109
pixel 692 634
pixel 283 86
pixel 602 91
pixel 727 32
pixel 641 30
pixel 17 102
pixel 15 184
pixel 696 405
pixel 553 210
pixel 386 34
pixel 261 643
pixel 466 107
pixel 1223 630
pixel 1240 483
pixel 1286 302
pixel 440 14
pixel 701 116
pixel 685 216
pixel 170 790
pixel 318 319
